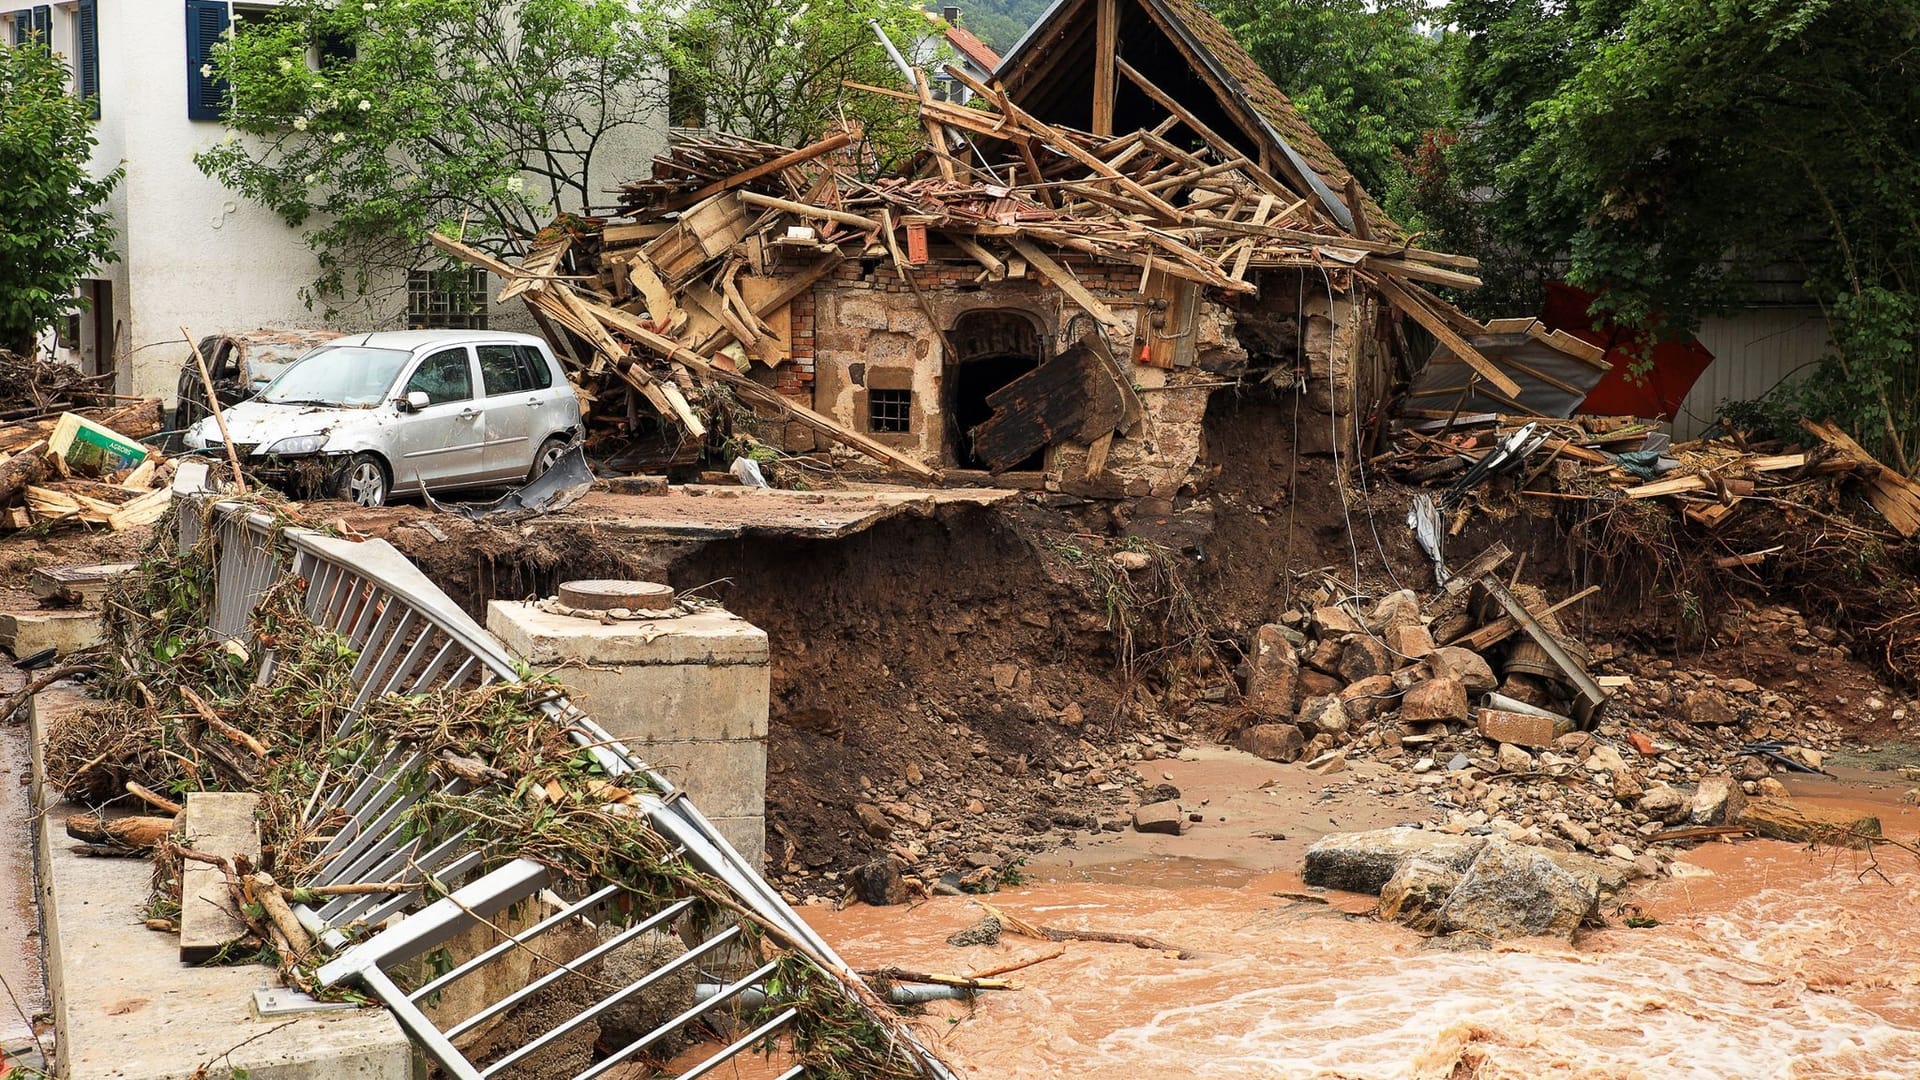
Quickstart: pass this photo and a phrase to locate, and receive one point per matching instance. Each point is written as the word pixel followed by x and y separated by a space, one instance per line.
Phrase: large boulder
pixel 1512 890
pixel 1273 676
pixel 1410 642
pixel 1366 699
pixel 1275 742
pixel 1717 801
pixel 1364 862
pixel 1401 608
pixel 1363 656
pixel 1435 701
pixel 1664 804
pixel 1465 665
pixel 1160 817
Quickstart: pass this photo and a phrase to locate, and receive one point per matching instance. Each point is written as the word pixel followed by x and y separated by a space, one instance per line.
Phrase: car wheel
pixel 363 481
pixel 551 452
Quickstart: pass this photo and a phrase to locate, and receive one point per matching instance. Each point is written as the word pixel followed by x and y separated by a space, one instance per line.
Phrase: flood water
pixel 1768 961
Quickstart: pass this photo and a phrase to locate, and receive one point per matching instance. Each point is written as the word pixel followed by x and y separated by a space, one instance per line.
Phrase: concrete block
pixel 126 1008
pixel 218 823
pixel 681 701
pixel 24 633
pixel 711 637
pixel 724 778
pixel 747 834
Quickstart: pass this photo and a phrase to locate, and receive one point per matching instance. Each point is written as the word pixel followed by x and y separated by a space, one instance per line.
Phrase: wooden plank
pixel 1106 46
pixel 1671 486
pixel 800 209
pixel 1404 268
pixel 996 269
pixel 790 288
pixel 1437 326
pixel 1220 145
pixel 537 267
pixel 785 161
pixel 219 823
pixel 1097 456
pixel 1064 280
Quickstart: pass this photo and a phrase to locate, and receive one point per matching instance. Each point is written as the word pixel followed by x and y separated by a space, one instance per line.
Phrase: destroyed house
pixel 1129 219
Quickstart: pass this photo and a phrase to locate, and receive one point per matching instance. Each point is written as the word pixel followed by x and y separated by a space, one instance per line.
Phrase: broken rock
pixel 1324 715
pixel 1273 683
pixel 1434 701
pixel 1396 609
pixel 1783 819
pixel 872 821
pixel 1365 699
pixel 1160 817
pixel 1410 642
pixel 1275 742
pixel 1416 892
pixel 1514 760
pixel 1520 729
pixel 1663 804
pixel 1512 890
pixel 1453 662
pixel 880 884
pixel 1332 622
pixel 1362 656
pixel 1364 862
pixel 1717 801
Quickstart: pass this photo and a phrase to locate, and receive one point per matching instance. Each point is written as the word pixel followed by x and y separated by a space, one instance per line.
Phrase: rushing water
pixel 1768 962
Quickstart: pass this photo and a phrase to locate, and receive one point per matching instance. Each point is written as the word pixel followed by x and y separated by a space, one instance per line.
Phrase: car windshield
pixel 347 375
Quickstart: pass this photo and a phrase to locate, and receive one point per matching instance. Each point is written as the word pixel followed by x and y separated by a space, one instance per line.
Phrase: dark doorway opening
pixel 992 348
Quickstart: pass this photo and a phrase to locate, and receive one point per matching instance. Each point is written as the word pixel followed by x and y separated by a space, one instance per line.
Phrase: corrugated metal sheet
pixel 1753 351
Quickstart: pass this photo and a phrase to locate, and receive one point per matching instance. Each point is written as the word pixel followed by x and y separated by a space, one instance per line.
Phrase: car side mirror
pixel 415 401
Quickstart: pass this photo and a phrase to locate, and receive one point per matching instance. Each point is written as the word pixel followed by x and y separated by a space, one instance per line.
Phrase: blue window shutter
pixel 43 24
pixel 87 54
pixel 22 25
pixel 207 20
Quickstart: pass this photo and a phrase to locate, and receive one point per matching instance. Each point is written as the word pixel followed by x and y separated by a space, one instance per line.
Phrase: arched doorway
pixel 990 349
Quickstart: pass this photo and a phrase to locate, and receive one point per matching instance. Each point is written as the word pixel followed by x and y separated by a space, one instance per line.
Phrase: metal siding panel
pixel 1753 352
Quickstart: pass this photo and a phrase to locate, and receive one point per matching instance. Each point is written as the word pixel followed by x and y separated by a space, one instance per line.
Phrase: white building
pixel 192 252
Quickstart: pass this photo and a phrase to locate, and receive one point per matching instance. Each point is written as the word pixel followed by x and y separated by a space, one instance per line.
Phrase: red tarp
pixel 1677 364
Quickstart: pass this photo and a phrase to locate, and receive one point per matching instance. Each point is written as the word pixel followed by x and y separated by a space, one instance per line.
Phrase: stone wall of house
pixel 864 329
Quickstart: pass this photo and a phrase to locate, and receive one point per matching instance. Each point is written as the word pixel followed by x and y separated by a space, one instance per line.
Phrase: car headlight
pixel 298 444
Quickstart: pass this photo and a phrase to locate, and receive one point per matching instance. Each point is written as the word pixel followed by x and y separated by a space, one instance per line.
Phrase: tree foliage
pixel 1669 148
pixel 54 225
pixel 1370 75
pixel 775 69
pixel 371 124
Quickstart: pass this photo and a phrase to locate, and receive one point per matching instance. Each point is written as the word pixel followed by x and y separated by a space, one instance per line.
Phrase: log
pixel 137 831
pixel 274 903
pixel 1784 819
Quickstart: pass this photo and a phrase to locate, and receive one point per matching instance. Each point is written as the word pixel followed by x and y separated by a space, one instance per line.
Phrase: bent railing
pixel 410 638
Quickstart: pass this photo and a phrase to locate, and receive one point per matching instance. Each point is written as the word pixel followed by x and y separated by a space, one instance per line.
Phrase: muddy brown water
pixel 1768 961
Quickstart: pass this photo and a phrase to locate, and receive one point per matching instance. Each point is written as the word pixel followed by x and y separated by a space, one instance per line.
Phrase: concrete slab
pixel 24 633
pixel 713 512
pixel 219 823
pixel 20 959
pixel 707 638
pixel 126 1008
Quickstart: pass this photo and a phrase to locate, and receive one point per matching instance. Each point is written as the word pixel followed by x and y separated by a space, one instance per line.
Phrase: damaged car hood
pixel 260 425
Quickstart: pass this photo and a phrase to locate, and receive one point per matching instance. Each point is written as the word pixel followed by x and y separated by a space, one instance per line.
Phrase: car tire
pixel 364 480
pixel 550 452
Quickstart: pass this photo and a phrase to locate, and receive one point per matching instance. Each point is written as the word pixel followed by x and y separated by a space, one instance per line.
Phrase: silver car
pixel 368 414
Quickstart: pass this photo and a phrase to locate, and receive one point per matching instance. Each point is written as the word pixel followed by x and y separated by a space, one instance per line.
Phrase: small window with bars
pixel 890 410
pixel 447 299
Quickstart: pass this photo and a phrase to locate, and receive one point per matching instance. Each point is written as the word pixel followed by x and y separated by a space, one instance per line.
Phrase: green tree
pixel 774 69
pixel 370 125
pixel 1668 148
pixel 54 225
pixel 1369 75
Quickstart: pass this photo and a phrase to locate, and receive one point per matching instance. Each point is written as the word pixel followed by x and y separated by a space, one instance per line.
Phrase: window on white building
pixel 447 299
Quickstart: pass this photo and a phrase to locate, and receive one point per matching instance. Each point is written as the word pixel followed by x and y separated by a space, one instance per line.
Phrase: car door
pixel 443 444
pixel 510 402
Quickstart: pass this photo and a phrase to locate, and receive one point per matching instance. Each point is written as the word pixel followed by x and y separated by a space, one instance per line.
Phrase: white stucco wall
pixel 192 252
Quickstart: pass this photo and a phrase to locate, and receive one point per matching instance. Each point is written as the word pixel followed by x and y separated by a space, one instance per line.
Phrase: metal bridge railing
pixel 410 638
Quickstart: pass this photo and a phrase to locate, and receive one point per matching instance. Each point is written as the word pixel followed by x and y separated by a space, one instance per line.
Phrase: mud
pixel 1767 961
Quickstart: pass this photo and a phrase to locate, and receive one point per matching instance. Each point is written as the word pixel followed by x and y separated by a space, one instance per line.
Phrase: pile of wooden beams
pixel 1708 481
pixel 690 288
pixel 43 483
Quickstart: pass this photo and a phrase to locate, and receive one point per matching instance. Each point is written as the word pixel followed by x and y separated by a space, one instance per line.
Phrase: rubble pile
pixel 87 466
pixel 686 313
pixel 1485 728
